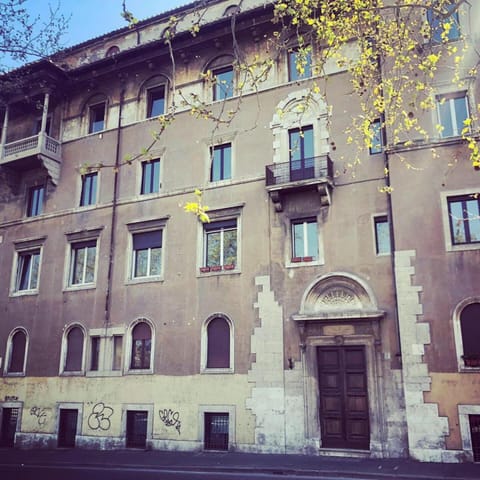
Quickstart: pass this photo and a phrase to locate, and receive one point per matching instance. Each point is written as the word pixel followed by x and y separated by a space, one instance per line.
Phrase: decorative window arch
pixel 73 350
pixel 217 352
pixel 153 97
pixel 16 354
pixel 95 112
pixel 112 51
pixel 140 347
pixel 223 77
pixel 466 328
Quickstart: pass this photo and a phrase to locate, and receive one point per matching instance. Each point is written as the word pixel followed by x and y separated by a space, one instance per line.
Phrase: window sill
pixel 216 371
pixel 141 280
pixel 133 371
pixel 79 373
pixel 294 264
pixel 104 373
pixel 83 286
pixel 464 369
pixel 463 247
pixel 22 293
pixel 383 254
pixel 219 270
pixel 14 374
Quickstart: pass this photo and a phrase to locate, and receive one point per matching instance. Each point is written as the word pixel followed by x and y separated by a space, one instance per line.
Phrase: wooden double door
pixel 344 410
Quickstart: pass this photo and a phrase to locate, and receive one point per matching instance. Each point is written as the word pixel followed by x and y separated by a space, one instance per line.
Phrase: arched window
pixel 218 344
pixel 141 347
pixel 223 77
pixel 74 350
pixel 113 50
pixel 17 349
pixel 470 329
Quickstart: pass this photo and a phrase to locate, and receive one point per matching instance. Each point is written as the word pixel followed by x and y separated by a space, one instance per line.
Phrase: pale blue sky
pixel 92 18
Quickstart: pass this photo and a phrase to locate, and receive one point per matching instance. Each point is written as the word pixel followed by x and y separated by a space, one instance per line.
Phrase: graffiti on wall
pixel 99 419
pixel 170 418
pixel 41 414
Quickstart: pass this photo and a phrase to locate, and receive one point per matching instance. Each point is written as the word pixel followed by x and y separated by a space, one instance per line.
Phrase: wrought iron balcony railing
pixel 315 168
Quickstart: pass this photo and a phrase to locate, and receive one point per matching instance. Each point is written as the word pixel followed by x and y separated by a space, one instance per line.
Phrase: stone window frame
pixel 204 345
pixel 9 353
pixel 376 219
pixel 140 172
pixel 230 409
pixel 64 351
pixel 217 64
pixel 159 224
pixel 464 411
pixel 25 246
pixel 128 345
pixel 449 246
pixel 81 185
pixel 69 406
pixel 457 332
pixel 151 84
pixel 141 407
pixel 94 101
pixel 106 353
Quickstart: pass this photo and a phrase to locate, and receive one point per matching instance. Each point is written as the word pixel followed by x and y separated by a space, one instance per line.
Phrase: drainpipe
pixel 108 296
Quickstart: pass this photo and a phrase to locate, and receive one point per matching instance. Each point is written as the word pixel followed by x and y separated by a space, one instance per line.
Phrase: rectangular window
pixel 82 266
pixel 221 158
pixel 302 161
pixel 147 254
pixel 95 353
pixel 382 235
pixel 464 215
pixel 117 352
pixel 150 177
pixel 378 138
pixel 96 118
pixel 35 201
pixel 444 28
pixel 452 111
pixel 223 87
pixel 305 240
pixel 28 265
pixel 89 189
pixel 136 434
pixel 156 101
pixel 299 63
pixel 221 243
pixel 216 431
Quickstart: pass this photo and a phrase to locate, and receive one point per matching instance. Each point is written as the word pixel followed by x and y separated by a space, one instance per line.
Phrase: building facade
pixel 312 314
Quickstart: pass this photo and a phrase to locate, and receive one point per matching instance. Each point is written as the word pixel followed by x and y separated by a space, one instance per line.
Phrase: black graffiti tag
pixel 170 418
pixel 41 415
pixel 99 419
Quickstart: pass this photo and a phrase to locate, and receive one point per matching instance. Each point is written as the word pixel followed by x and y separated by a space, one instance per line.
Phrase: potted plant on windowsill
pixel 204 269
pixel 472 360
pixel 229 266
pixel 215 268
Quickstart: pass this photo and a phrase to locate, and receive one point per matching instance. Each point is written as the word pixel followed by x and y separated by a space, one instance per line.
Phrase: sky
pixel 92 18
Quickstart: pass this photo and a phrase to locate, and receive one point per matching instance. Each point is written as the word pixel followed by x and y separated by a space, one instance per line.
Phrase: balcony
pixel 38 150
pixel 302 174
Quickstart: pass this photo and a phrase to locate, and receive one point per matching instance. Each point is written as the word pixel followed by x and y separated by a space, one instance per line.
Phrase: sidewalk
pixel 242 462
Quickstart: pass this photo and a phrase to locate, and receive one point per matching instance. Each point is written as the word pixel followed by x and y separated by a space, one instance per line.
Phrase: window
pixel 155 101
pixel 304 240
pixel 470 330
pixel 74 350
pixel 89 189
pixel 464 216
pixel 216 431
pixel 223 87
pixel 28 267
pixel 82 266
pixel 141 347
pixel 136 432
pixel 220 244
pixel 218 343
pixel 382 235
pixel 94 353
pixel 96 118
pixel 299 63
pixel 378 137
pixel 35 201
pixel 147 254
pixel 302 162
pixel 444 28
pixel 452 111
pixel 117 352
pixel 150 177
pixel 16 350
pixel 221 158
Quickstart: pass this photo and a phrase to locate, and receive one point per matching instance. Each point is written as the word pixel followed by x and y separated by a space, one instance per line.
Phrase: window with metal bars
pixel 216 431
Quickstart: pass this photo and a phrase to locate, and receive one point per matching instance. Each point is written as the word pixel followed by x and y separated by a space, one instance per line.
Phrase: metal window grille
pixel 216 431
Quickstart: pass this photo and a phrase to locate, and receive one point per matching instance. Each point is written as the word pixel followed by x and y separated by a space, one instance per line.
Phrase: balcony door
pixel 301 153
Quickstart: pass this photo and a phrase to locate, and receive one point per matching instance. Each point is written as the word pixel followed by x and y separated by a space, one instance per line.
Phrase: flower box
pixel 307 259
pixel 229 266
pixel 216 268
pixel 471 360
pixel 204 269
pixel 296 259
